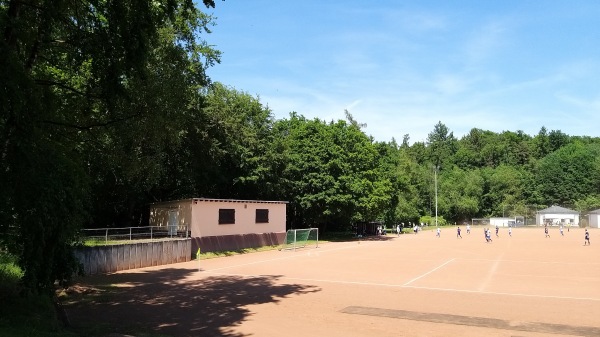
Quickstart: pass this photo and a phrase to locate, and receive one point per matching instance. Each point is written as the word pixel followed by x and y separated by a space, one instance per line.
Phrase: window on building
pixel 262 216
pixel 226 216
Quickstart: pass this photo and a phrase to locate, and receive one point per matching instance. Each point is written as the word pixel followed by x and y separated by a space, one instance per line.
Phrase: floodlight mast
pixel 436 167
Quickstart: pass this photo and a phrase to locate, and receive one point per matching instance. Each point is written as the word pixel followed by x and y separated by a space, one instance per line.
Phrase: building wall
pixel 594 220
pixel 557 219
pixel 202 216
pixel 501 222
pixel 236 242
pixel 205 217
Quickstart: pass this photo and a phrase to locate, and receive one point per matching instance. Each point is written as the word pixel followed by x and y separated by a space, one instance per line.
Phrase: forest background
pixel 105 107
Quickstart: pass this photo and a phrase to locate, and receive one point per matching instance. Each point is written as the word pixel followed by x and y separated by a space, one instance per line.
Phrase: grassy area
pixel 92 242
pixel 211 255
pixel 30 316
pixel 10 274
pixel 24 316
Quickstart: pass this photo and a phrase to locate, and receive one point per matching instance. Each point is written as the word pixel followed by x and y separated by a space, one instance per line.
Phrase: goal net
pixel 480 222
pixel 300 238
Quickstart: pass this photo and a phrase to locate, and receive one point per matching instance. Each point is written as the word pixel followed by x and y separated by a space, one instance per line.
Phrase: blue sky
pixel 402 66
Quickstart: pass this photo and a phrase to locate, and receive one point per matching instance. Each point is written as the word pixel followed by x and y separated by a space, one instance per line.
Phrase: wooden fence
pixel 112 258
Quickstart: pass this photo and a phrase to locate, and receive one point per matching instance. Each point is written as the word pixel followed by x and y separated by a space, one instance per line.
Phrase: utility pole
pixel 436 194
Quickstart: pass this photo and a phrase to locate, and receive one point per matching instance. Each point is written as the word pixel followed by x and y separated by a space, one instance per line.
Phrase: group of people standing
pixel 488 233
pixel 586 239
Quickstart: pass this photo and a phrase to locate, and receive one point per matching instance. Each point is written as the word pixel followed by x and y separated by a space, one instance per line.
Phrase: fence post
pixel 129 233
pixel 106 236
pixel 151 229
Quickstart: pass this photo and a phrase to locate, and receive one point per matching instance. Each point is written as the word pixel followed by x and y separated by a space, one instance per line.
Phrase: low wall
pixel 236 242
pixel 112 258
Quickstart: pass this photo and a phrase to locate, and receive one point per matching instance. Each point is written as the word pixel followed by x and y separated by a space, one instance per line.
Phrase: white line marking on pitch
pixel 427 273
pixel 505 294
pixel 315 280
pixel 415 287
pixel 534 261
pixel 490 274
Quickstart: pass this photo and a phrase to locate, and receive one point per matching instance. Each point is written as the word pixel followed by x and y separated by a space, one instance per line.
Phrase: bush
pixel 430 220
pixel 24 315
pixel 10 275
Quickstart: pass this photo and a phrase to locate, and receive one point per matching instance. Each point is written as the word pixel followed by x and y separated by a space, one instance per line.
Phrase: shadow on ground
pixel 165 303
pixel 377 238
pixel 336 237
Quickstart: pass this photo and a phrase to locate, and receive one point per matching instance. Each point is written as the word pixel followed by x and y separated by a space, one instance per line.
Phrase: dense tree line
pixel 91 99
pixel 106 107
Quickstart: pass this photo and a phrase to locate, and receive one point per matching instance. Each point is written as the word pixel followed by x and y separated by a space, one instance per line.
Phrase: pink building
pixel 223 224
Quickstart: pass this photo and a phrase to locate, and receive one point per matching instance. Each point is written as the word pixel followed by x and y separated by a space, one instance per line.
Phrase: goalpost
pixel 300 238
pixel 480 222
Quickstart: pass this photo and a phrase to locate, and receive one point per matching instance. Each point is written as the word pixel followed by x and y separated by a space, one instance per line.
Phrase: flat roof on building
pixel 222 200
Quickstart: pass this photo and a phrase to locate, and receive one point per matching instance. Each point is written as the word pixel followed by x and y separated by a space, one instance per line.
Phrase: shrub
pixel 430 220
pixel 10 275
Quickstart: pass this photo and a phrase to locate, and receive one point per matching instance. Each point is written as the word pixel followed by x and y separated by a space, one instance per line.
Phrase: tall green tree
pixel 331 174
pixel 79 80
pixel 442 145
pixel 388 155
pixel 228 153
pixel 569 174
pixel 409 187
pixel 505 190
pixel 541 143
pixel 134 158
pixel 459 194
pixel 557 139
pixel 397 166
pixel 468 154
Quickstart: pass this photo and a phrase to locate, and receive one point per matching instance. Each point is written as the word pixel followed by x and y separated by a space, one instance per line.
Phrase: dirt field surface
pixel 526 285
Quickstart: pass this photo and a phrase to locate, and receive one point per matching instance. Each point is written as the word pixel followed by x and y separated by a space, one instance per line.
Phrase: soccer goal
pixel 480 222
pixel 301 238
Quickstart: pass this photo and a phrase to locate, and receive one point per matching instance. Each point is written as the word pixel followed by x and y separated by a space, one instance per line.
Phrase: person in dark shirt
pixel 587 238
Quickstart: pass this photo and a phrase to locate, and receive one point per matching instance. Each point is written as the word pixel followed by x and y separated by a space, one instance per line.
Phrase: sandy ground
pixel 526 285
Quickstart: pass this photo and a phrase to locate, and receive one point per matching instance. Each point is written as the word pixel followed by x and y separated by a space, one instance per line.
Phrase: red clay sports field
pixel 412 285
